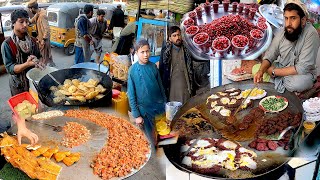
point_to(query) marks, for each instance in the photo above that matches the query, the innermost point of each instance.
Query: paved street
(61, 60)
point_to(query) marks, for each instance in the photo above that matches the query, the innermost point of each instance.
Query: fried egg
(225, 100)
(225, 112)
(231, 90)
(229, 145)
(213, 104)
(244, 150)
(222, 93)
(213, 96)
(217, 108)
(233, 101)
(248, 162)
(235, 93)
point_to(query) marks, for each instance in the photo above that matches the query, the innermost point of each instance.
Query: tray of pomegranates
(226, 31)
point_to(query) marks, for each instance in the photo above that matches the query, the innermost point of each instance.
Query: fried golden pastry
(59, 156)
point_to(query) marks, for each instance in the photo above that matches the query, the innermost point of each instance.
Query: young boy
(19, 54)
(145, 91)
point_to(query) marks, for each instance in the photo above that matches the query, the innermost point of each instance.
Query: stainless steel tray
(81, 169)
(273, 14)
(207, 18)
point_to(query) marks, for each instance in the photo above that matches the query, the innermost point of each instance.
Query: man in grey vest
(98, 27)
(83, 38)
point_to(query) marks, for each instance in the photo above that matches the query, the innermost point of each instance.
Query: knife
(191, 146)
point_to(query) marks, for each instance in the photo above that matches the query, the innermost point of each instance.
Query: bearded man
(176, 68)
(291, 58)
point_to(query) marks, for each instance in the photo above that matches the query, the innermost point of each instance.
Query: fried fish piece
(49, 153)
(49, 166)
(59, 156)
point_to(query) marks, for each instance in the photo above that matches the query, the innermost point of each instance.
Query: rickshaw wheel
(69, 50)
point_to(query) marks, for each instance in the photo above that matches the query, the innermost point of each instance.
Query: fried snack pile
(126, 149)
(78, 91)
(25, 109)
(75, 134)
(120, 71)
(66, 157)
(21, 158)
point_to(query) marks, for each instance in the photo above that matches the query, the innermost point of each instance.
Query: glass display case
(154, 31)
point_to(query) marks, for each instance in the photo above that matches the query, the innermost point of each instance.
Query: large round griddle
(275, 159)
(46, 95)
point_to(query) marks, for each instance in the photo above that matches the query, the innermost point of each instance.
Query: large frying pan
(276, 159)
(46, 95)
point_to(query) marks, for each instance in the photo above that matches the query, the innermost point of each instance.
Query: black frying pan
(279, 156)
(46, 95)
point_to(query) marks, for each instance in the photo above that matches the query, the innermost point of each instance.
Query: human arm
(159, 81)
(10, 62)
(84, 29)
(23, 131)
(307, 58)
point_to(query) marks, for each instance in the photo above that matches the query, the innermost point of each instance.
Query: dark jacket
(165, 68)
(117, 19)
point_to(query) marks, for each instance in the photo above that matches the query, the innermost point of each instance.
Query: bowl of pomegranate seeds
(262, 19)
(221, 45)
(257, 35)
(188, 22)
(199, 11)
(207, 7)
(262, 26)
(192, 30)
(240, 7)
(200, 41)
(215, 6)
(192, 15)
(226, 5)
(234, 6)
(239, 42)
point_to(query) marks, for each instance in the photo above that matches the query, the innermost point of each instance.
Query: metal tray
(273, 14)
(206, 18)
(81, 169)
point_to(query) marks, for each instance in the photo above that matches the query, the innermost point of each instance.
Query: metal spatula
(281, 134)
(55, 128)
(54, 79)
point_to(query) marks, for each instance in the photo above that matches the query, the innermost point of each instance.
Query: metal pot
(46, 95)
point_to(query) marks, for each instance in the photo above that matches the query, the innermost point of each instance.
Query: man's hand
(258, 77)
(139, 121)
(31, 61)
(23, 131)
(42, 42)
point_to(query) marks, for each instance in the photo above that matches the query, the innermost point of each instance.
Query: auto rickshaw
(61, 17)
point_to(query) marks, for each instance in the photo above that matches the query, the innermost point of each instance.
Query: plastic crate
(15, 100)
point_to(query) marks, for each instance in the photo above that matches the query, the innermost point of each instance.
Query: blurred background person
(98, 27)
(43, 32)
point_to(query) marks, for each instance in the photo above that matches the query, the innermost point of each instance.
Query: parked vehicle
(61, 17)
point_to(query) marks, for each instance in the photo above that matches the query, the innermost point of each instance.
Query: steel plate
(207, 18)
(273, 14)
(81, 169)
